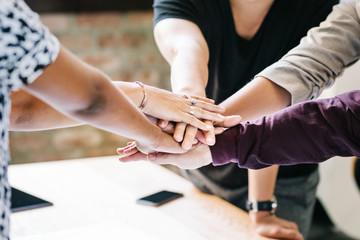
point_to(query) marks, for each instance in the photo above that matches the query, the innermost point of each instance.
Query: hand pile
(192, 121)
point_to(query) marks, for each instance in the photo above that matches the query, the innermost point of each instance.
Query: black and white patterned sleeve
(27, 46)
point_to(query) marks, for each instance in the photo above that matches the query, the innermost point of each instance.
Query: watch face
(265, 206)
(262, 206)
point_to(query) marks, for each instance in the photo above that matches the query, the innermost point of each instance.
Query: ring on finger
(193, 101)
(192, 110)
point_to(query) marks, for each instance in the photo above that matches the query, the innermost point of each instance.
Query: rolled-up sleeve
(321, 56)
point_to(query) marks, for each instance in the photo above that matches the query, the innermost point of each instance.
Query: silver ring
(192, 110)
(193, 101)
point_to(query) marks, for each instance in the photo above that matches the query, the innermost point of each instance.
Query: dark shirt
(234, 61)
(309, 132)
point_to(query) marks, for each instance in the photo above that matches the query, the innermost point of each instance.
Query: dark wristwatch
(256, 206)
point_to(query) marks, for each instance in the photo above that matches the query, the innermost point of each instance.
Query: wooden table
(95, 199)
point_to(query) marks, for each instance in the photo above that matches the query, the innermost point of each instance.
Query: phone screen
(159, 198)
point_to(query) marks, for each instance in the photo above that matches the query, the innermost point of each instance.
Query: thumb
(230, 121)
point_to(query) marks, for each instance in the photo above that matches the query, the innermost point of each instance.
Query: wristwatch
(256, 206)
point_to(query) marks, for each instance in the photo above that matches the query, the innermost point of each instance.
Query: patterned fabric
(26, 48)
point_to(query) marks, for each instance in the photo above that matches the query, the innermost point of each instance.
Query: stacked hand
(169, 106)
(198, 156)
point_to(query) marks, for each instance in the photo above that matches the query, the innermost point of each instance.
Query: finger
(179, 132)
(218, 130)
(163, 124)
(229, 121)
(209, 136)
(160, 158)
(131, 151)
(135, 157)
(203, 114)
(152, 119)
(280, 233)
(189, 137)
(200, 136)
(170, 128)
(129, 145)
(209, 107)
(205, 99)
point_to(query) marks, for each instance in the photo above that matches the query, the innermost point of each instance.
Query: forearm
(189, 72)
(309, 132)
(185, 49)
(29, 113)
(321, 56)
(85, 94)
(262, 183)
(258, 98)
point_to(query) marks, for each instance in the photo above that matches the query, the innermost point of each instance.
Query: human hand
(170, 106)
(195, 158)
(273, 227)
(159, 142)
(189, 135)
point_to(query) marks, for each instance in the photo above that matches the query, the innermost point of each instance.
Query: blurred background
(114, 36)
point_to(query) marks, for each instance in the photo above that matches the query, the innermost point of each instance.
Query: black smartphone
(21, 201)
(159, 198)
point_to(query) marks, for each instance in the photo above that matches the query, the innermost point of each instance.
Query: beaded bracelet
(143, 102)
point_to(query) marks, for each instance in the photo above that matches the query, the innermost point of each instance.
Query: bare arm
(30, 113)
(85, 94)
(258, 98)
(184, 47)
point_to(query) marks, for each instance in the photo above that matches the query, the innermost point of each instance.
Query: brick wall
(122, 45)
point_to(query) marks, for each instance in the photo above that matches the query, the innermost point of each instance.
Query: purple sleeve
(309, 132)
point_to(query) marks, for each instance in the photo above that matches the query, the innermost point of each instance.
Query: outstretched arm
(30, 113)
(184, 47)
(321, 56)
(83, 93)
(308, 132)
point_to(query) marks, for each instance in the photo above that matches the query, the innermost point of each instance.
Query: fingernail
(178, 138)
(210, 140)
(209, 126)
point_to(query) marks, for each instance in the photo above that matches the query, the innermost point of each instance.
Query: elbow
(95, 103)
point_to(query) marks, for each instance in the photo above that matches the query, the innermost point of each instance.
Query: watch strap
(256, 206)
